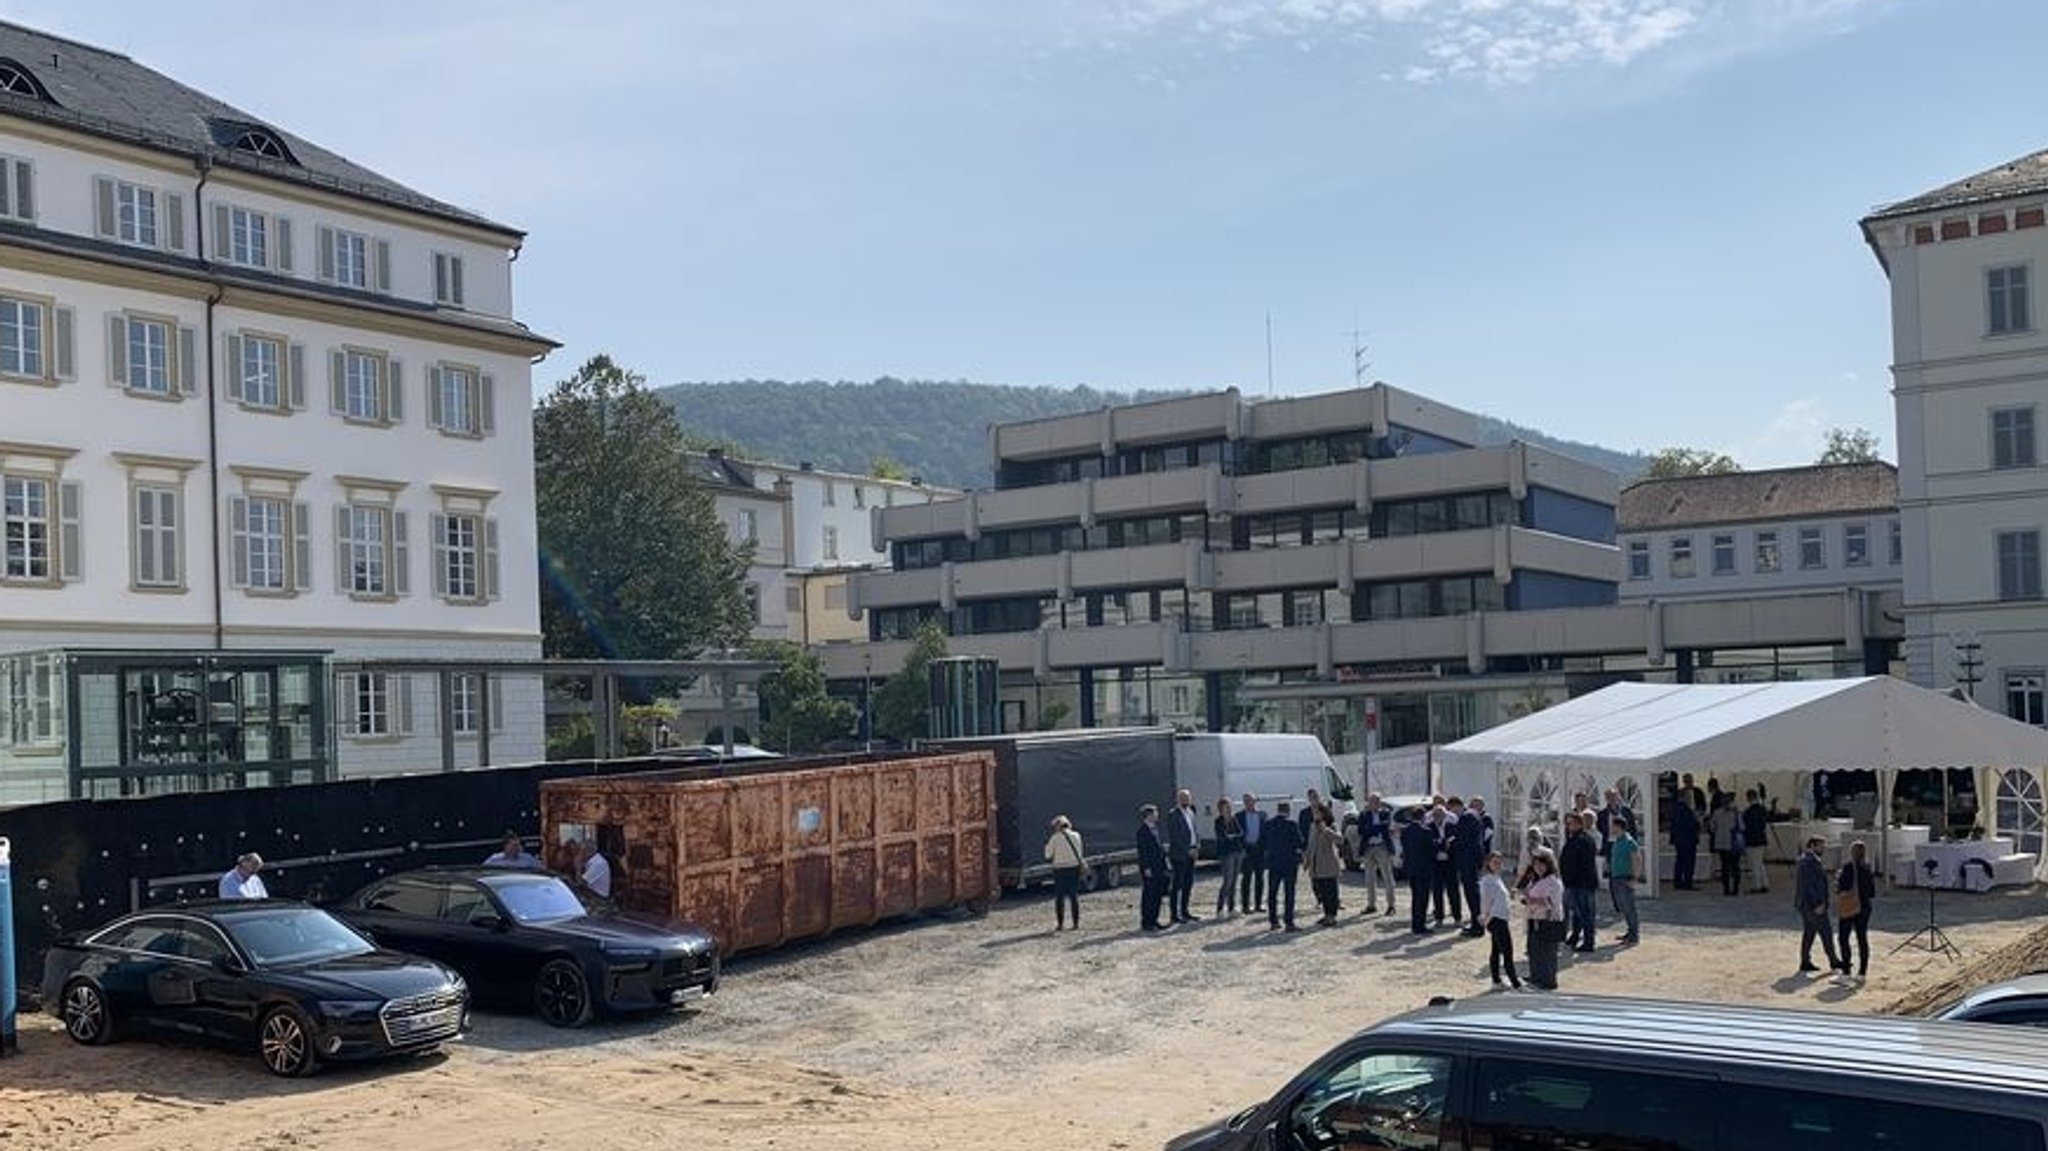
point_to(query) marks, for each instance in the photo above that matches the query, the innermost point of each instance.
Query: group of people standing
(1261, 858)
(1735, 833)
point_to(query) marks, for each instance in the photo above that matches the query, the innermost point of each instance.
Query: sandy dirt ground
(948, 1032)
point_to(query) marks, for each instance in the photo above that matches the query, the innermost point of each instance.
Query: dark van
(1562, 1073)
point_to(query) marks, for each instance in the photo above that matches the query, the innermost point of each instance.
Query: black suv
(523, 937)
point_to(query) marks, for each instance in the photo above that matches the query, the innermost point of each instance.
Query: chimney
(917, 481)
(715, 453)
(803, 465)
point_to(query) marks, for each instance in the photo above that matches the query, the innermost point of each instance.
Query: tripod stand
(1930, 938)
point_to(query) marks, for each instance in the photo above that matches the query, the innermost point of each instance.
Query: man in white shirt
(592, 870)
(241, 880)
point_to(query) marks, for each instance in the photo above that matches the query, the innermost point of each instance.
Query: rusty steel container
(764, 854)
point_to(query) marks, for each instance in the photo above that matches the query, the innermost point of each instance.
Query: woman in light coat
(1063, 851)
(1325, 862)
(1545, 899)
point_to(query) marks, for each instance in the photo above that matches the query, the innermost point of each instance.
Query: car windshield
(287, 936)
(537, 900)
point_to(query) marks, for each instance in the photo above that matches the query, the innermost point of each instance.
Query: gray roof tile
(1744, 497)
(107, 94)
(2026, 176)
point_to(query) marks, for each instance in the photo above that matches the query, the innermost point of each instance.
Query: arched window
(1588, 785)
(1543, 806)
(258, 142)
(1511, 823)
(1632, 798)
(2020, 813)
(20, 81)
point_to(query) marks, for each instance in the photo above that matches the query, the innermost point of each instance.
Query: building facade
(253, 399)
(1970, 380)
(1761, 533)
(1116, 543)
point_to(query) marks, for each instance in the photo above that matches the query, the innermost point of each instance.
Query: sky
(1630, 222)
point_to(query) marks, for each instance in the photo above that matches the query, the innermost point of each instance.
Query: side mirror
(228, 965)
(490, 922)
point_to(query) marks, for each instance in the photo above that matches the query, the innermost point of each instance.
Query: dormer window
(250, 140)
(20, 81)
(257, 142)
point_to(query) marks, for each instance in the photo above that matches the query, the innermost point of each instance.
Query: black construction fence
(81, 862)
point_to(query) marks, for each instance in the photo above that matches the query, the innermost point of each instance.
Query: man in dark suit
(1252, 872)
(1468, 855)
(1151, 868)
(1284, 844)
(1418, 863)
(1183, 844)
(1444, 822)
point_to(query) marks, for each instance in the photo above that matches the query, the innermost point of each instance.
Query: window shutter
(440, 278)
(302, 547)
(234, 367)
(7, 170)
(400, 687)
(141, 549)
(337, 389)
(295, 378)
(380, 265)
(24, 191)
(401, 556)
(342, 583)
(65, 362)
(117, 351)
(223, 234)
(103, 207)
(433, 396)
(174, 215)
(437, 537)
(323, 236)
(70, 531)
(281, 229)
(497, 703)
(455, 280)
(486, 405)
(238, 541)
(188, 362)
(489, 576)
(394, 407)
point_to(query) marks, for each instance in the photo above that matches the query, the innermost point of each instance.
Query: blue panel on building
(1531, 591)
(1556, 512)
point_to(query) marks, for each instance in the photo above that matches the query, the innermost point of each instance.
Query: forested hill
(938, 431)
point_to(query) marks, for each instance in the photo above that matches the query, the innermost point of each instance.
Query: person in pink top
(1545, 899)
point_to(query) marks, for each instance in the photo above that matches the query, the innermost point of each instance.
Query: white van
(1272, 767)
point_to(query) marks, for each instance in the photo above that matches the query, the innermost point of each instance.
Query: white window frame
(462, 550)
(248, 237)
(370, 706)
(465, 694)
(363, 387)
(2008, 305)
(1721, 545)
(136, 217)
(266, 544)
(149, 355)
(368, 550)
(27, 322)
(1856, 545)
(1813, 549)
(749, 526)
(2015, 445)
(1679, 558)
(1768, 553)
(2026, 695)
(830, 543)
(270, 537)
(32, 703)
(28, 529)
(156, 547)
(348, 258)
(461, 400)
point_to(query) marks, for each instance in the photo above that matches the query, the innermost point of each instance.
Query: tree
(1674, 462)
(634, 563)
(903, 704)
(1052, 714)
(1850, 446)
(797, 716)
(885, 467)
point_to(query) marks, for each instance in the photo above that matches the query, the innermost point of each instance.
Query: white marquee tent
(1625, 735)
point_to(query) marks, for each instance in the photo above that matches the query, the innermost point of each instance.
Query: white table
(1949, 859)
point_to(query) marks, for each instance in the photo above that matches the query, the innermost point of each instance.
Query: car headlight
(628, 953)
(350, 1008)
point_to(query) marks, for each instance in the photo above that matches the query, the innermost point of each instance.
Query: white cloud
(1794, 434)
(1499, 42)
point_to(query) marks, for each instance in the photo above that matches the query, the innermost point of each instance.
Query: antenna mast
(1359, 364)
(1269, 355)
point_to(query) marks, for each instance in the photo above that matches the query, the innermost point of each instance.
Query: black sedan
(524, 937)
(287, 981)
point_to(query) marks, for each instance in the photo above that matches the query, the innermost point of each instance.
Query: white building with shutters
(249, 402)
(1970, 382)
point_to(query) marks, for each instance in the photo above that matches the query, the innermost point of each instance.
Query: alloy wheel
(286, 1047)
(85, 1014)
(562, 995)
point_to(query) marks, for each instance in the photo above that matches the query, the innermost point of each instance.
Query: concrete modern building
(1742, 534)
(260, 408)
(1970, 378)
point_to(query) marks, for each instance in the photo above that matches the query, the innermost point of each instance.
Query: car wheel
(562, 994)
(86, 1017)
(285, 1042)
